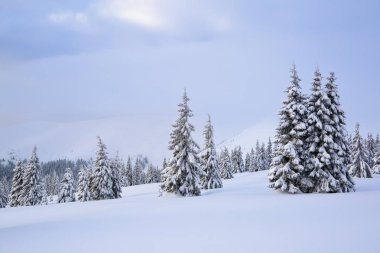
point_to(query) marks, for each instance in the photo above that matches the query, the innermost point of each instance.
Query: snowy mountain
(244, 216)
(129, 135)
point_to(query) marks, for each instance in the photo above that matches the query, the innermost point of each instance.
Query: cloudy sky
(64, 62)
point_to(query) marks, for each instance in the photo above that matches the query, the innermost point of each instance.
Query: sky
(63, 63)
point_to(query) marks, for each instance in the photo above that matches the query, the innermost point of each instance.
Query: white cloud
(165, 15)
(73, 18)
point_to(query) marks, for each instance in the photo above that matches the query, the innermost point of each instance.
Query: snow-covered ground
(244, 216)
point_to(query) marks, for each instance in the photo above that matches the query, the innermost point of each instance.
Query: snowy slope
(244, 216)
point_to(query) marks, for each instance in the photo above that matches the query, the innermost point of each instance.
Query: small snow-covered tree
(376, 166)
(151, 175)
(359, 166)
(31, 186)
(247, 162)
(288, 163)
(5, 189)
(182, 175)
(211, 178)
(225, 165)
(128, 176)
(370, 146)
(17, 182)
(66, 192)
(138, 177)
(268, 155)
(252, 165)
(101, 178)
(83, 191)
(116, 166)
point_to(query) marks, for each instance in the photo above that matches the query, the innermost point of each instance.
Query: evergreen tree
(83, 191)
(150, 175)
(138, 173)
(5, 189)
(16, 197)
(268, 155)
(320, 143)
(182, 176)
(116, 166)
(370, 146)
(340, 154)
(31, 185)
(239, 160)
(359, 166)
(234, 161)
(66, 193)
(376, 166)
(129, 172)
(288, 160)
(247, 163)
(211, 179)
(225, 165)
(101, 179)
(252, 165)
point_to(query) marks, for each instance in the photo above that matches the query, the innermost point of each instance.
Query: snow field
(244, 216)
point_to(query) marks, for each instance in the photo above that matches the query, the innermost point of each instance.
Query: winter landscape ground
(244, 216)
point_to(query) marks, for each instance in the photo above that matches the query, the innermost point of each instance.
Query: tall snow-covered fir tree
(17, 182)
(340, 154)
(321, 175)
(288, 161)
(83, 191)
(66, 192)
(101, 178)
(31, 186)
(239, 160)
(225, 165)
(182, 175)
(359, 166)
(252, 165)
(211, 178)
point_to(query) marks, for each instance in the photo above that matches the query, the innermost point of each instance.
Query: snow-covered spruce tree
(66, 192)
(252, 165)
(234, 160)
(116, 166)
(287, 163)
(225, 165)
(211, 178)
(150, 175)
(321, 176)
(340, 154)
(268, 155)
(239, 160)
(359, 166)
(31, 194)
(182, 175)
(101, 178)
(376, 166)
(137, 173)
(129, 173)
(83, 191)
(370, 146)
(247, 162)
(15, 196)
(5, 189)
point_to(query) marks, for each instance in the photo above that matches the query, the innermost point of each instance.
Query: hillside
(244, 216)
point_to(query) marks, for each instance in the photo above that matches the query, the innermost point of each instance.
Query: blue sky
(64, 61)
